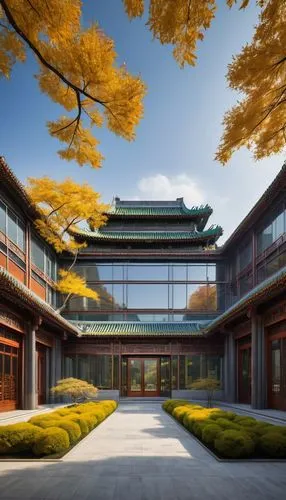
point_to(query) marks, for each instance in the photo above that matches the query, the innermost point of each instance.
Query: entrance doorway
(9, 368)
(277, 375)
(143, 378)
(244, 373)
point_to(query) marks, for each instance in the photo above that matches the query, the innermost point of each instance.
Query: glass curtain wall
(101, 371)
(168, 289)
(195, 366)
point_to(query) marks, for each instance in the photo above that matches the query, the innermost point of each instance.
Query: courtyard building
(173, 306)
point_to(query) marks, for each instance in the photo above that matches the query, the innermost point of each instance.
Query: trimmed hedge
(16, 438)
(228, 434)
(234, 444)
(52, 440)
(55, 432)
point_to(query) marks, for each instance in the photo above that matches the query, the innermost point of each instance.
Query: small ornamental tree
(209, 385)
(74, 388)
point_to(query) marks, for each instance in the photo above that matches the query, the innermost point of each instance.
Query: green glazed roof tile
(130, 328)
(212, 233)
(176, 211)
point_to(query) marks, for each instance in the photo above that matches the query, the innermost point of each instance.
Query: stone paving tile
(140, 453)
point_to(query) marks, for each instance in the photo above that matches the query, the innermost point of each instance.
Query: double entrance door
(143, 378)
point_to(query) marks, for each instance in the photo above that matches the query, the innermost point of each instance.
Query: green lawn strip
(229, 435)
(52, 435)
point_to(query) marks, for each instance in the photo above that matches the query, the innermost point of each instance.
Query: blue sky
(173, 153)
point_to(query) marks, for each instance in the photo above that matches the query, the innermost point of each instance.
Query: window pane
(147, 272)
(12, 226)
(211, 273)
(101, 272)
(245, 283)
(117, 293)
(245, 256)
(279, 226)
(116, 372)
(101, 371)
(21, 236)
(117, 272)
(148, 296)
(174, 372)
(197, 272)
(202, 297)
(38, 256)
(2, 217)
(264, 239)
(179, 272)
(179, 296)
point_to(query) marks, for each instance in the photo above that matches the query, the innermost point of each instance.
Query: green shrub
(176, 402)
(224, 423)
(99, 414)
(196, 416)
(43, 417)
(90, 420)
(180, 411)
(79, 419)
(52, 440)
(261, 428)
(273, 444)
(229, 415)
(72, 429)
(109, 403)
(232, 443)
(16, 438)
(63, 412)
(49, 422)
(245, 421)
(198, 427)
(210, 432)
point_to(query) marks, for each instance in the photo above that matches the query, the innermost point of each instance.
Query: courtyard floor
(139, 452)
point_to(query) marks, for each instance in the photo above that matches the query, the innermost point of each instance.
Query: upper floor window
(12, 226)
(271, 232)
(245, 256)
(43, 259)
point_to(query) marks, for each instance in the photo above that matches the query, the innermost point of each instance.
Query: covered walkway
(140, 453)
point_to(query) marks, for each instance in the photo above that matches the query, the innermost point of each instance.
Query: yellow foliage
(77, 69)
(72, 284)
(134, 8)
(259, 71)
(64, 205)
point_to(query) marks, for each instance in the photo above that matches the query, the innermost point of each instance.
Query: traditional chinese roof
(210, 235)
(12, 288)
(259, 294)
(17, 189)
(160, 209)
(138, 329)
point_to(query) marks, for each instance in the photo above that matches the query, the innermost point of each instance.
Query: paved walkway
(13, 417)
(140, 453)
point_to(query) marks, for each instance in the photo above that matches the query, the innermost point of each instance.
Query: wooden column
(230, 368)
(258, 365)
(30, 361)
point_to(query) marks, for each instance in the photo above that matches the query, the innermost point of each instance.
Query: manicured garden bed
(228, 434)
(53, 434)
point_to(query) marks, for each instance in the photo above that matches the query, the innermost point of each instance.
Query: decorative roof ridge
(277, 279)
(101, 233)
(29, 294)
(255, 212)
